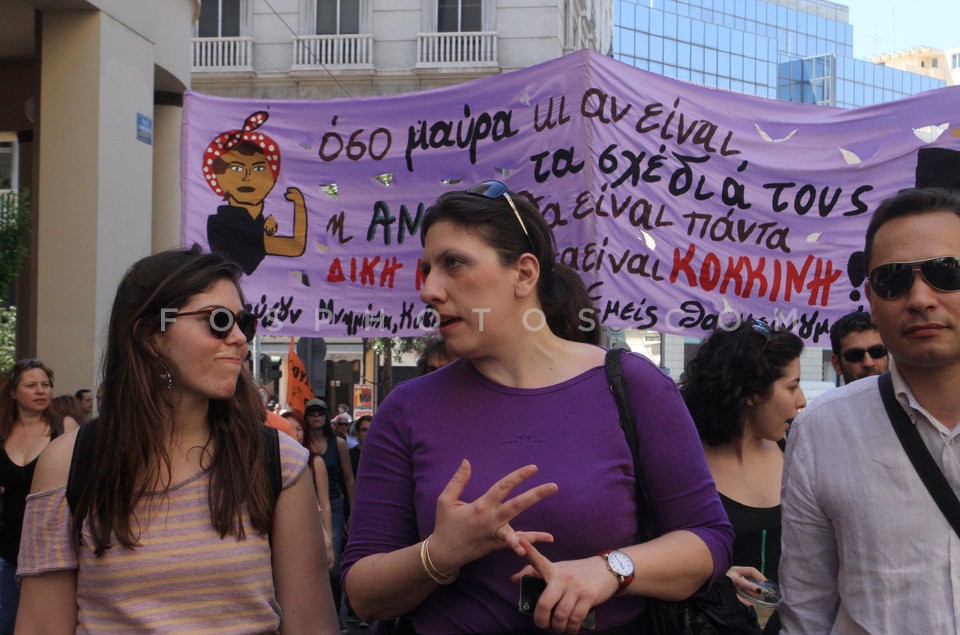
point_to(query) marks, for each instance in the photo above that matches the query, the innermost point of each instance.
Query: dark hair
(730, 367)
(80, 393)
(9, 411)
(909, 203)
(361, 419)
(326, 431)
(856, 322)
(134, 427)
(246, 148)
(67, 406)
(560, 290)
(432, 345)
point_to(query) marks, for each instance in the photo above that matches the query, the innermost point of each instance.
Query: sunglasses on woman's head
(895, 278)
(494, 190)
(221, 320)
(854, 355)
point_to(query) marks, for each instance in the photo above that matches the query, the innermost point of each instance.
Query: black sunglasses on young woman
(220, 319)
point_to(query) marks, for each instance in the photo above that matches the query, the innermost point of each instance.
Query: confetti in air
(386, 178)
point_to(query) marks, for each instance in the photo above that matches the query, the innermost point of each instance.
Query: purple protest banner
(679, 205)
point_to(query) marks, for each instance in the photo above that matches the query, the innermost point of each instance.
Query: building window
(219, 18)
(338, 17)
(935, 62)
(7, 165)
(955, 60)
(458, 15)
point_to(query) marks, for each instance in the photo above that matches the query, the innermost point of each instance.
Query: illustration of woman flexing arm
(242, 166)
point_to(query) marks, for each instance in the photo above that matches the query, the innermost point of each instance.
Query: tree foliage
(8, 338)
(14, 225)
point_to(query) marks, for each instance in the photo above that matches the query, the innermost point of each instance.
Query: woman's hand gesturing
(466, 531)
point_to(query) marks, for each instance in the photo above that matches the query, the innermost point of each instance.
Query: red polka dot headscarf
(227, 141)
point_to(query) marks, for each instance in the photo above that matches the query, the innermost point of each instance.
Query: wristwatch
(620, 565)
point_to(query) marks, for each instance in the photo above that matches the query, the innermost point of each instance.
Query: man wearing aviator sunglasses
(858, 351)
(852, 500)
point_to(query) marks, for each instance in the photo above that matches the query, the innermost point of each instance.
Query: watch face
(620, 563)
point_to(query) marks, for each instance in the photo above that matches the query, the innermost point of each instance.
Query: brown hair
(67, 406)
(562, 294)
(9, 411)
(134, 427)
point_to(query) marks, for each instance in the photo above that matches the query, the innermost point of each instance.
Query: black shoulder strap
(80, 462)
(614, 368)
(916, 449)
(83, 457)
(274, 469)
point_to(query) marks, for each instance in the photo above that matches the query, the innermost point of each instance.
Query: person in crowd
(68, 406)
(865, 547)
(742, 388)
(480, 460)
(319, 472)
(85, 397)
(28, 423)
(180, 525)
(362, 425)
(320, 438)
(296, 424)
(278, 422)
(434, 355)
(858, 351)
(341, 426)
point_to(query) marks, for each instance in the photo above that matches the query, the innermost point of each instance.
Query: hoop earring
(167, 378)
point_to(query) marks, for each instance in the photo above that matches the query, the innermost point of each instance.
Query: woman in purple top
(511, 460)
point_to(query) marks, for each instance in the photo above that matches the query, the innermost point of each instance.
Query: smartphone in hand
(530, 589)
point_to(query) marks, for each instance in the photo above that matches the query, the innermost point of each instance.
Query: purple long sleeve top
(571, 431)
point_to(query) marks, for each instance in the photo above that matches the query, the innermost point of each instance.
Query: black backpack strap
(80, 462)
(274, 469)
(916, 449)
(613, 366)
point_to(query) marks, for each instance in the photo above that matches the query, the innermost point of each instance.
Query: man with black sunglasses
(865, 548)
(858, 351)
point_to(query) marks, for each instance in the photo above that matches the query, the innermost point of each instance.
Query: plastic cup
(765, 602)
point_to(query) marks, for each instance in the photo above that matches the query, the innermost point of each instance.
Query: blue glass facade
(771, 49)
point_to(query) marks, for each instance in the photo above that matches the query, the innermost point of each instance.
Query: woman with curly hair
(742, 388)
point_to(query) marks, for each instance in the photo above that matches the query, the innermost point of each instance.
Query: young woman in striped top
(181, 530)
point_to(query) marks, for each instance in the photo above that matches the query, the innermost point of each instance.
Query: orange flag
(298, 384)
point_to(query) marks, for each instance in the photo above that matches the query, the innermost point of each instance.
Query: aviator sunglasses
(895, 278)
(494, 190)
(221, 320)
(854, 355)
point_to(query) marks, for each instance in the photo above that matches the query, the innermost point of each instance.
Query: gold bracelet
(435, 574)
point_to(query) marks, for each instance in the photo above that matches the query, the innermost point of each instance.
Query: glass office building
(795, 50)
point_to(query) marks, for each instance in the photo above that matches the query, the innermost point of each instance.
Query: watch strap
(625, 580)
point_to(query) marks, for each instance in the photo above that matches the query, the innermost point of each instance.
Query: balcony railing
(466, 48)
(213, 54)
(314, 51)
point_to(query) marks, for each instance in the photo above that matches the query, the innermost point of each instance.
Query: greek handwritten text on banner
(677, 204)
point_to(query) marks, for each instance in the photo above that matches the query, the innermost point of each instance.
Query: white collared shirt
(865, 548)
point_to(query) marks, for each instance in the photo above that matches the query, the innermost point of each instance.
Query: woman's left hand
(574, 587)
(744, 579)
